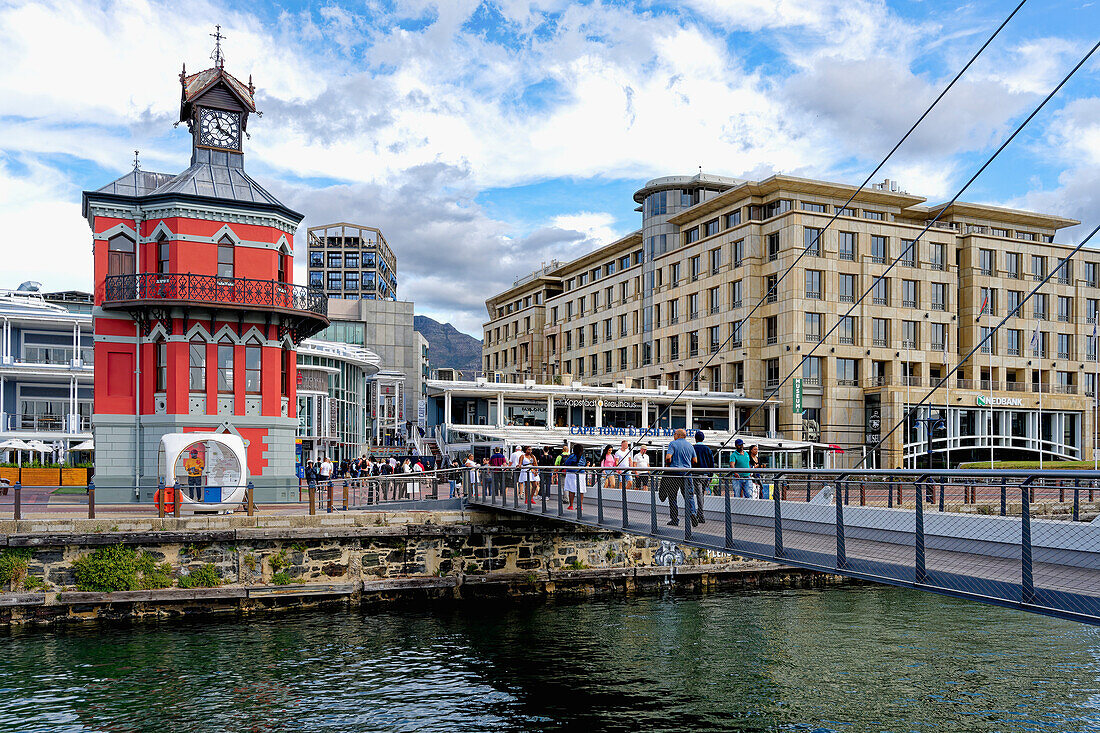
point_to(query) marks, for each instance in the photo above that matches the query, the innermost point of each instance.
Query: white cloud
(595, 226)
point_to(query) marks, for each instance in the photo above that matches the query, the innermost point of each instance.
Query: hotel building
(662, 306)
(351, 261)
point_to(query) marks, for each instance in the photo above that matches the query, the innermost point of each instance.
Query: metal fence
(1016, 539)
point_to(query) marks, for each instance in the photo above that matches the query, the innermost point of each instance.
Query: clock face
(219, 128)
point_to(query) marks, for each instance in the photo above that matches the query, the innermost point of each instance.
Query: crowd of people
(533, 470)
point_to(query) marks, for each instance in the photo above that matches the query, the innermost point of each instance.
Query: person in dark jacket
(704, 457)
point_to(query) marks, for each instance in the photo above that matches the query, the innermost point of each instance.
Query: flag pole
(947, 412)
(1039, 347)
(992, 419)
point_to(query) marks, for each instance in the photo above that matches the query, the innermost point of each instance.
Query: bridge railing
(1015, 538)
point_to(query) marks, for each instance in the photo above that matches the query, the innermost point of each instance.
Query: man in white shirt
(641, 460)
(624, 459)
(514, 461)
(326, 468)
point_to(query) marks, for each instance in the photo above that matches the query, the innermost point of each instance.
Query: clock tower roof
(204, 83)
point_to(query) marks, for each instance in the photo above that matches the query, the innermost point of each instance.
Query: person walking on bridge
(704, 458)
(680, 454)
(742, 483)
(497, 462)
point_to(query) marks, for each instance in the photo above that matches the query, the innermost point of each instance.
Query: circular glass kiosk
(211, 468)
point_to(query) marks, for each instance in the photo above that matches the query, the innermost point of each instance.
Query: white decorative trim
(227, 330)
(200, 330)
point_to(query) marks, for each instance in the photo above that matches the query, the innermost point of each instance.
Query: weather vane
(137, 162)
(219, 60)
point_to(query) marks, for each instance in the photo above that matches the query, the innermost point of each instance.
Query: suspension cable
(814, 243)
(942, 211)
(943, 380)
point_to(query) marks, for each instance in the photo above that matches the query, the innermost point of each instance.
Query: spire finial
(137, 160)
(219, 60)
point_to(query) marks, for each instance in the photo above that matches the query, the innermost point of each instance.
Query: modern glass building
(352, 261)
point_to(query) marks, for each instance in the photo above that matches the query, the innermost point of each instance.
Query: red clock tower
(196, 316)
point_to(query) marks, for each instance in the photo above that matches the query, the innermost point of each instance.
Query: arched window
(162, 255)
(225, 365)
(160, 359)
(120, 255)
(253, 366)
(283, 256)
(225, 257)
(197, 365)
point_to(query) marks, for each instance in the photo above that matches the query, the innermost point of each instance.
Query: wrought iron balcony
(307, 307)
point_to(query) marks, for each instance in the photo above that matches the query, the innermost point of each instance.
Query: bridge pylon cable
(809, 247)
(929, 225)
(943, 380)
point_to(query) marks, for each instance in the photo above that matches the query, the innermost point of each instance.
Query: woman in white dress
(575, 483)
(528, 474)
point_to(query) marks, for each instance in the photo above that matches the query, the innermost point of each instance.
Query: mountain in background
(449, 348)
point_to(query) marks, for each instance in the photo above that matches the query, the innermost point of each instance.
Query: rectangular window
(710, 228)
(880, 292)
(735, 294)
(811, 241)
(284, 374)
(846, 242)
(225, 260)
(938, 337)
(875, 215)
(816, 208)
(1065, 346)
(693, 267)
(909, 253)
(225, 368)
(847, 288)
(771, 288)
(985, 261)
(738, 248)
(1091, 274)
(813, 284)
(715, 260)
(771, 330)
(879, 250)
(846, 212)
(771, 373)
(1040, 310)
(351, 281)
(693, 305)
(196, 368)
(162, 256)
(335, 259)
(847, 372)
(692, 235)
(1065, 309)
(334, 281)
(733, 218)
(1038, 267)
(1012, 264)
(351, 260)
(813, 327)
(939, 296)
(160, 350)
(909, 293)
(938, 255)
(773, 247)
(712, 301)
(1065, 271)
(990, 346)
(253, 359)
(880, 332)
(316, 259)
(909, 335)
(812, 371)
(1014, 297)
(847, 330)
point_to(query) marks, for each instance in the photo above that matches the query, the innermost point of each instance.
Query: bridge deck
(1066, 582)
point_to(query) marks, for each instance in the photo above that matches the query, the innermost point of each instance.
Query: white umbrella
(14, 444)
(86, 445)
(39, 447)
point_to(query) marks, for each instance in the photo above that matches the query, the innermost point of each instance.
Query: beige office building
(661, 306)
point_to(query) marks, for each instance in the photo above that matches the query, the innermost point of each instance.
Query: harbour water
(838, 659)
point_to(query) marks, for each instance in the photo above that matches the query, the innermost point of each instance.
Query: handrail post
(18, 513)
(921, 573)
(177, 500)
(841, 553)
(688, 492)
(160, 499)
(729, 513)
(1004, 497)
(943, 485)
(515, 489)
(622, 490)
(651, 483)
(251, 504)
(890, 494)
(91, 500)
(549, 485)
(561, 493)
(582, 480)
(1027, 580)
(329, 487)
(1076, 499)
(313, 499)
(777, 517)
(346, 495)
(599, 499)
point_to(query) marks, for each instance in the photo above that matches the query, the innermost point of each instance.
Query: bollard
(91, 500)
(249, 497)
(18, 500)
(329, 487)
(345, 496)
(160, 499)
(313, 499)
(176, 500)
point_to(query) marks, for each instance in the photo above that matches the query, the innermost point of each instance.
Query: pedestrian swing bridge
(988, 536)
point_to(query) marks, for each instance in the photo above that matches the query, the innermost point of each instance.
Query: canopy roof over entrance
(485, 389)
(541, 436)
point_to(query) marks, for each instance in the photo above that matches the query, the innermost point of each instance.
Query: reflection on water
(836, 659)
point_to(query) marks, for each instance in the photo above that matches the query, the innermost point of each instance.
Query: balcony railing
(230, 291)
(55, 355)
(47, 423)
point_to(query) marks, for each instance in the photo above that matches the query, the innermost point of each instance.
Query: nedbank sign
(983, 401)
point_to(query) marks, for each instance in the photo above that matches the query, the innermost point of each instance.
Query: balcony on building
(305, 308)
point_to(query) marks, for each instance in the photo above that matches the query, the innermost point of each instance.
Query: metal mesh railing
(1018, 539)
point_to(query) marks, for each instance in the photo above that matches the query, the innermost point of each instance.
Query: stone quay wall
(273, 563)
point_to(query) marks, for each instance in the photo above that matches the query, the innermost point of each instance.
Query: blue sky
(487, 138)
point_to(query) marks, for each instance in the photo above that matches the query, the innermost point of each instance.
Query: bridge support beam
(921, 574)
